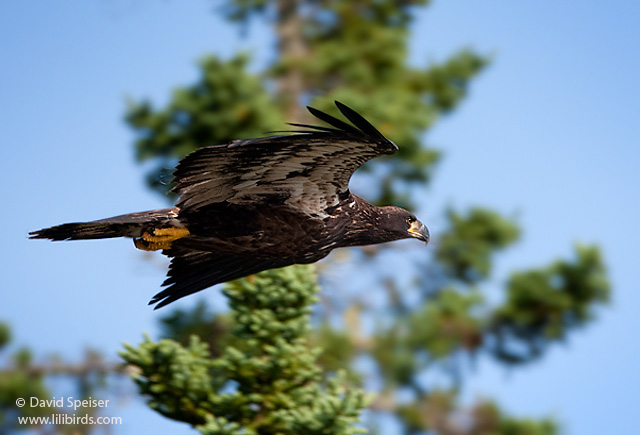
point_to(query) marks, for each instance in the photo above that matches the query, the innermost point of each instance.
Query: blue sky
(549, 134)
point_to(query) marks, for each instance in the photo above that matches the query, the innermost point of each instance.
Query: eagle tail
(128, 225)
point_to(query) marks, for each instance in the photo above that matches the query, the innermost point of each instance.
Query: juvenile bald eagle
(258, 204)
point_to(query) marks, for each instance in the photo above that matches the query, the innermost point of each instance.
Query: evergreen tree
(266, 382)
(355, 52)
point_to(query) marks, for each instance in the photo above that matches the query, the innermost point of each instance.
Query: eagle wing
(192, 270)
(308, 170)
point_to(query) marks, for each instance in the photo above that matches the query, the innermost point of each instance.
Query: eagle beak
(419, 231)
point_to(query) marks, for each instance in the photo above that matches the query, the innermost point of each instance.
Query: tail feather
(128, 225)
(80, 231)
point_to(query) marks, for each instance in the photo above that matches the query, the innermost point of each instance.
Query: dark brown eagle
(258, 204)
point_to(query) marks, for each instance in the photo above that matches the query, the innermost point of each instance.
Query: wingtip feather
(358, 120)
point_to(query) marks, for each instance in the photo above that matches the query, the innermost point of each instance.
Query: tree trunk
(292, 49)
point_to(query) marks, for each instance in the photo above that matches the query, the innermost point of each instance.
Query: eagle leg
(165, 234)
(160, 239)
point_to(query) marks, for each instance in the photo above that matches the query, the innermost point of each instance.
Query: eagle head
(398, 223)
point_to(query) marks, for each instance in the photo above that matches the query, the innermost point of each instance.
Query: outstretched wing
(308, 170)
(192, 270)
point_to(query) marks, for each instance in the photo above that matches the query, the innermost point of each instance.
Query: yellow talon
(161, 238)
(151, 246)
(165, 235)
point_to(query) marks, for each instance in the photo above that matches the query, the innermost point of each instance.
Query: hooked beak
(419, 231)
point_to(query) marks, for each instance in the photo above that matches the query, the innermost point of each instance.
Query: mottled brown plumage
(258, 204)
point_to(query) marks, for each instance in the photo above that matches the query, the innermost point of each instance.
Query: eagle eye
(411, 219)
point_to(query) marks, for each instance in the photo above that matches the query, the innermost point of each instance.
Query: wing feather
(191, 271)
(308, 170)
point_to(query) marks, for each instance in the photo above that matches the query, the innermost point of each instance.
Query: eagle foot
(165, 235)
(151, 246)
(160, 239)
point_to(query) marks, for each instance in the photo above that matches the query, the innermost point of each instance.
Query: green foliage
(214, 329)
(447, 323)
(437, 329)
(466, 249)
(338, 350)
(18, 381)
(177, 379)
(489, 419)
(543, 305)
(381, 12)
(5, 335)
(268, 382)
(437, 413)
(512, 426)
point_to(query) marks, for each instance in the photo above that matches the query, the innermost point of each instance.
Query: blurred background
(518, 137)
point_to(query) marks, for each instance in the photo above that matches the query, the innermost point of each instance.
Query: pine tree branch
(81, 369)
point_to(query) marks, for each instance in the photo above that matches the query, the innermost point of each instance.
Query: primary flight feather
(258, 204)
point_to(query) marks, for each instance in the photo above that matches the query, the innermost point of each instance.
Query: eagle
(256, 204)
